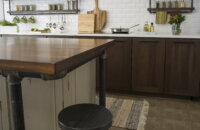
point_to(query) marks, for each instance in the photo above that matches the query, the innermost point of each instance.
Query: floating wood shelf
(43, 12)
(171, 10)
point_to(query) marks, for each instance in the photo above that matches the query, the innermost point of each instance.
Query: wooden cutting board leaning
(86, 23)
(100, 17)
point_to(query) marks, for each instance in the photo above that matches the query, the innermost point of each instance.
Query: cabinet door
(148, 65)
(119, 65)
(182, 67)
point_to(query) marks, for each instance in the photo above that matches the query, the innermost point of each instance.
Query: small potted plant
(7, 27)
(175, 21)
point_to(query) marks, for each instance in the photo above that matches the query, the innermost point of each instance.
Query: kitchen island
(47, 59)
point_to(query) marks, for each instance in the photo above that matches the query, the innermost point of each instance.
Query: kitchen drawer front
(182, 67)
(148, 60)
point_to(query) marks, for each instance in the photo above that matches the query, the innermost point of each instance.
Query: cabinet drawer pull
(120, 41)
(183, 42)
(144, 41)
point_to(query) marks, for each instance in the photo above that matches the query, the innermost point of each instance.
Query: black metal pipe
(192, 4)
(14, 83)
(102, 87)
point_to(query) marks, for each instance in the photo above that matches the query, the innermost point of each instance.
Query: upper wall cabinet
(182, 67)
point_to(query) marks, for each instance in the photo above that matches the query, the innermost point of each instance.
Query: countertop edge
(187, 36)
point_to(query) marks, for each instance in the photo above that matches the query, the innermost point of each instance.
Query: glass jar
(17, 7)
(176, 29)
(21, 8)
(26, 7)
(163, 4)
(170, 4)
(176, 4)
(182, 4)
(157, 4)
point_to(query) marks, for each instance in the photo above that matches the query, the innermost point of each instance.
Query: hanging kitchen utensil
(100, 17)
(123, 30)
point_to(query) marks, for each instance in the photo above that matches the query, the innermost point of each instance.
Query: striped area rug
(128, 113)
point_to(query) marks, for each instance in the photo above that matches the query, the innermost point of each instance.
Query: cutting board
(86, 23)
(100, 17)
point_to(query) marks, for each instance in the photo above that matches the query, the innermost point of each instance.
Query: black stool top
(85, 117)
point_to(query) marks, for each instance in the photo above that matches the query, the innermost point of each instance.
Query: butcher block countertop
(47, 55)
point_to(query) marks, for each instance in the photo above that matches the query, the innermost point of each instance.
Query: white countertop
(136, 34)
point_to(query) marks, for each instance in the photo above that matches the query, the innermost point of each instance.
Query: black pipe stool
(85, 117)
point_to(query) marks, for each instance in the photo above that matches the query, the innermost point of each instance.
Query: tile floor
(169, 113)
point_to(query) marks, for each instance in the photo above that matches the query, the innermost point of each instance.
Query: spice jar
(163, 4)
(50, 7)
(17, 7)
(60, 7)
(182, 4)
(157, 4)
(55, 7)
(21, 8)
(169, 4)
(31, 7)
(73, 4)
(69, 4)
(26, 8)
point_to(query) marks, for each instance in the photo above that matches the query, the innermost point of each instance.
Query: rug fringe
(143, 116)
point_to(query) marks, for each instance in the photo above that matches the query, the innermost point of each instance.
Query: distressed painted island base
(43, 100)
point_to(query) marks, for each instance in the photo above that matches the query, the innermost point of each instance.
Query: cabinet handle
(183, 42)
(148, 41)
(120, 41)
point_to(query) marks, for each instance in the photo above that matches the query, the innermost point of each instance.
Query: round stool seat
(85, 117)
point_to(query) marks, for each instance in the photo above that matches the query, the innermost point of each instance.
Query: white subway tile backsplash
(124, 13)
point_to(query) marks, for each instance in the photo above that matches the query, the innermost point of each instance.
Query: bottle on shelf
(163, 4)
(157, 4)
(182, 4)
(169, 4)
(176, 4)
(146, 27)
(152, 28)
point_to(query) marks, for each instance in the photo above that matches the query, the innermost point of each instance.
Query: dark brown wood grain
(47, 55)
(182, 67)
(119, 65)
(148, 65)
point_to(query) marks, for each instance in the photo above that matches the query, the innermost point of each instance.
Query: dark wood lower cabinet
(119, 65)
(148, 62)
(182, 67)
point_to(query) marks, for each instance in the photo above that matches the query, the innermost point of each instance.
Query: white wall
(1, 9)
(124, 13)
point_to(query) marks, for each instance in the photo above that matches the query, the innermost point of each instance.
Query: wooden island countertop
(47, 55)
(48, 59)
